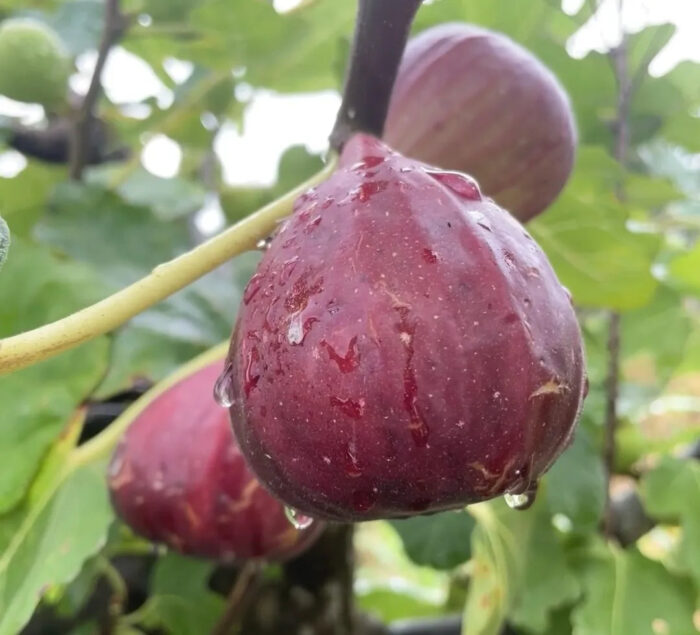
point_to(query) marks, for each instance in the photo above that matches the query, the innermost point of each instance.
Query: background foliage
(621, 238)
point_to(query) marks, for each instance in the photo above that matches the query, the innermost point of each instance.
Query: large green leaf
(23, 198)
(659, 331)
(159, 339)
(519, 570)
(37, 287)
(46, 541)
(587, 240)
(624, 592)
(442, 541)
(576, 484)
(671, 492)
(180, 600)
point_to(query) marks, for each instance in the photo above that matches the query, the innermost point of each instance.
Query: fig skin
(472, 100)
(403, 348)
(179, 478)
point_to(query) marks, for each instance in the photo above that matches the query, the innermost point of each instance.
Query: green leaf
(441, 541)
(23, 198)
(180, 601)
(586, 238)
(671, 491)
(624, 592)
(167, 198)
(4, 241)
(658, 331)
(170, 333)
(35, 288)
(46, 541)
(519, 570)
(685, 269)
(576, 484)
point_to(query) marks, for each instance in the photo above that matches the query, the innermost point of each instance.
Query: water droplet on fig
(462, 185)
(522, 500)
(297, 519)
(264, 244)
(223, 388)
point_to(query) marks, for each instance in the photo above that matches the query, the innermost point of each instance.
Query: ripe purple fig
(472, 100)
(403, 348)
(179, 478)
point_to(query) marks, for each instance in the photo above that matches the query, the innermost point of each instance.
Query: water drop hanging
(297, 519)
(223, 389)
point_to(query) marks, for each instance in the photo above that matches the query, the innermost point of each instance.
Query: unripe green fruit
(34, 64)
(220, 96)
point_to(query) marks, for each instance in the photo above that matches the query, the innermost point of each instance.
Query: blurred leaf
(168, 198)
(295, 166)
(4, 241)
(387, 581)
(685, 269)
(442, 541)
(35, 288)
(389, 606)
(79, 23)
(519, 570)
(168, 334)
(585, 236)
(23, 198)
(645, 45)
(659, 331)
(671, 492)
(626, 593)
(45, 542)
(576, 484)
(180, 599)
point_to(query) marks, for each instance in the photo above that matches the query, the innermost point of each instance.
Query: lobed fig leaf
(403, 348)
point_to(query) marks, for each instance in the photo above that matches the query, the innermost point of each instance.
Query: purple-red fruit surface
(179, 478)
(404, 347)
(473, 100)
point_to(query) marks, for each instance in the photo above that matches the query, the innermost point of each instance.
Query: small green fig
(34, 63)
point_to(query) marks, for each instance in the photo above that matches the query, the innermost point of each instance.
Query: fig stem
(36, 345)
(381, 33)
(236, 599)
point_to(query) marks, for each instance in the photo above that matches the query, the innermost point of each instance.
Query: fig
(34, 64)
(178, 478)
(472, 100)
(404, 347)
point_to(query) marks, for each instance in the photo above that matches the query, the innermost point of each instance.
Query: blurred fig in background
(472, 100)
(179, 478)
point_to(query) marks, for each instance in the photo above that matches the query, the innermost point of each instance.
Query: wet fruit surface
(179, 478)
(404, 347)
(470, 99)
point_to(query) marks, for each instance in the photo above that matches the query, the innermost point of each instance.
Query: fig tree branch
(619, 59)
(46, 341)
(381, 32)
(114, 26)
(237, 599)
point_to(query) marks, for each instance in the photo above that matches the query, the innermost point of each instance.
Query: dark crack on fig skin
(179, 478)
(442, 364)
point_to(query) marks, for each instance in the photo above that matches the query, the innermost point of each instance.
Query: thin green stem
(44, 342)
